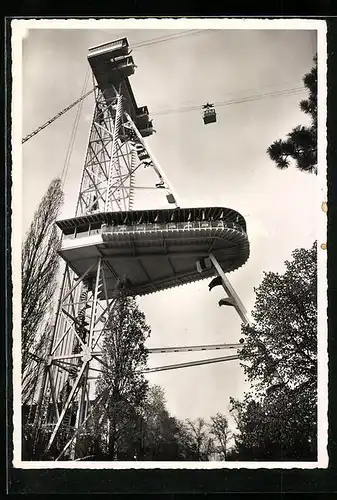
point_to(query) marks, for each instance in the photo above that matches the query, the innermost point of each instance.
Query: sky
(223, 164)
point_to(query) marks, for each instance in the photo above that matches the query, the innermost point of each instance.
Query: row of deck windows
(93, 229)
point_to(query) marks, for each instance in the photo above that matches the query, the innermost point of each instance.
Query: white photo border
(19, 27)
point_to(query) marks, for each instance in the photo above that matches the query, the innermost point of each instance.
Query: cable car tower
(109, 249)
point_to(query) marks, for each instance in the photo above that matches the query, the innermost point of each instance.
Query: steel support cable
(170, 111)
(36, 131)
(74, 131)
(134, 46)
(73, 134)
(292, 91)
(166, 38)
(245, 92)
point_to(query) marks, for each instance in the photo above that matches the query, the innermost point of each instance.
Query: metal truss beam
(193, 348)
(190, 363)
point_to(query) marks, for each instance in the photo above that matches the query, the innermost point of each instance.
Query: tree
(251, 441)
(200, 441)
(124, 359)
(221, 433)
(301, 142)
(279, 357)
(164, 437)
(32, 375)
(40, 265)
(280, 426)
(153, 434)
(281, 344)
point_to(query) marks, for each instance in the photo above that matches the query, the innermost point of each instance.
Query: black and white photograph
(169, 243)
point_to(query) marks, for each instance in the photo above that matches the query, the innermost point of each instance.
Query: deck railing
(153, 227)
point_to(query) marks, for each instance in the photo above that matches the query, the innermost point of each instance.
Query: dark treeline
(151, 433)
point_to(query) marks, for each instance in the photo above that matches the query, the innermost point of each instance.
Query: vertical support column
(40, 407)
(66, 406)
(240, 308)
(113, 167)
(86, 358)
(94, 304)
(80, 416)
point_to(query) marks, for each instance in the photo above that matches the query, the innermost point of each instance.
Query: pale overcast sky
(223, 164)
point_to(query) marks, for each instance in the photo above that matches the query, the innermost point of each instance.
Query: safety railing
(115, 45)
(154, 227)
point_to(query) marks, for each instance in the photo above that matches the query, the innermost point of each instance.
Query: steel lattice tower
(107, 247)
(115, 151)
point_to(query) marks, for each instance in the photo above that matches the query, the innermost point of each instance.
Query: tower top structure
(112, 65)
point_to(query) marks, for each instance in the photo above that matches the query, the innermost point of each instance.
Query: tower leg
(76, 353)
(240, 308)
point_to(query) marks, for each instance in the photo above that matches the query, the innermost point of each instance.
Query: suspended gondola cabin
(209, 114)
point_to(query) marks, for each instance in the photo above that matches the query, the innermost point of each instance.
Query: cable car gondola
(209, 114)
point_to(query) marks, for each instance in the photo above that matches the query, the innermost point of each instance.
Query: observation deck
(152, 250)
(112, 64)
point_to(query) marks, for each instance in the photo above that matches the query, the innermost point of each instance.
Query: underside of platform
(150, 256)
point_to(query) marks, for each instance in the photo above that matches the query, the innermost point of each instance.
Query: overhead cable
(292, 91)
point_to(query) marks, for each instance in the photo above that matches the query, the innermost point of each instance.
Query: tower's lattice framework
(116, 150)
(106, 242)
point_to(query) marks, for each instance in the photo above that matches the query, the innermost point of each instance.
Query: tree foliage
(40, 264)
(164, 437)
(151, 433)
(32, 375)
(301, 142)
(279, 426)
(200, 443)
(124, 359)
(279, 357)
(281, 344)
(221, 433)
